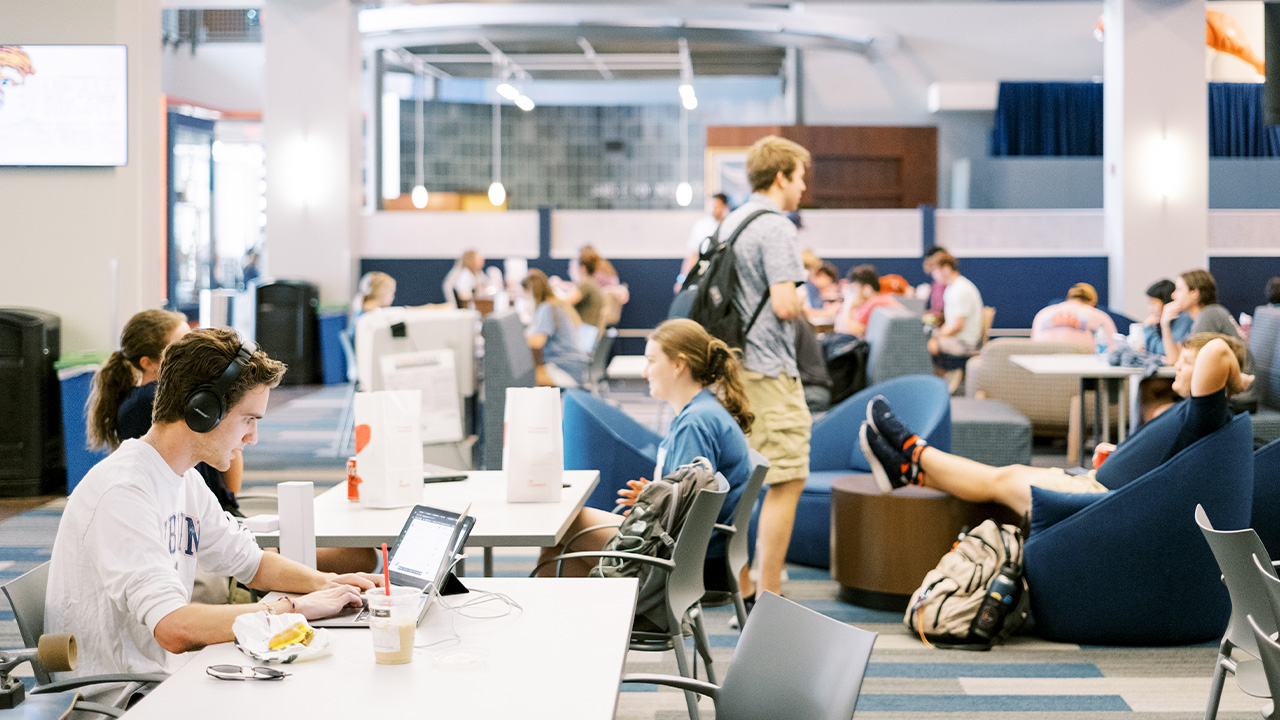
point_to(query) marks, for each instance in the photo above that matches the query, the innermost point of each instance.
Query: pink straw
(386, 571)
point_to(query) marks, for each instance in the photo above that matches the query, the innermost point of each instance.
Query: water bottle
(1100, 340)
(1002, 593)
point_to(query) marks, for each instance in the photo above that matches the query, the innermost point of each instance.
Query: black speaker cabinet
(288, 328)
(31, 457)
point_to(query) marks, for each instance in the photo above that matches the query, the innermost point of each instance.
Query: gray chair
(598, 369)
(1234, 550)
(896, 340)
(508, 362)
(1044, 400)
(791, 662)
(684, 586)
(738, 552)
(1269, 656)
(26, 596)
(1264, 352)
(990, 432)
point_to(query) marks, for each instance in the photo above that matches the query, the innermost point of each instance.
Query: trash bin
(333, 362)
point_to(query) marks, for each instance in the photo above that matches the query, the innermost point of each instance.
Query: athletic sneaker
(889, 467)
(894, 432)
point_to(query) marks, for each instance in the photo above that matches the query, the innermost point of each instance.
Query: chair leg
(682, 662)
(1219, 678)
(702, 642)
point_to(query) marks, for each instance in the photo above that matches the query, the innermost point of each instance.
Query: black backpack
(715, 278)
(651, 529)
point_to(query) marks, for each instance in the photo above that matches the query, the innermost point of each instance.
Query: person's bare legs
(972, 481)
(595, 540)
(777, 518)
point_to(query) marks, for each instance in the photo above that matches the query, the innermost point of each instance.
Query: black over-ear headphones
(207, 404)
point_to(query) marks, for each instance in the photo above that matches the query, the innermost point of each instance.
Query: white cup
(394, 621)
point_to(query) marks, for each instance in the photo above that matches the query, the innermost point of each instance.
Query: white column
(1156, 147)
(312, 124)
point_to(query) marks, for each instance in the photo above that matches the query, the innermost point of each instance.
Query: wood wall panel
(856, 167)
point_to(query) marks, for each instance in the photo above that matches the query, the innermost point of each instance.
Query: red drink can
(353, 480)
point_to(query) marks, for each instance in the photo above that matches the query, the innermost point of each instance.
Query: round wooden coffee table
(883, 544)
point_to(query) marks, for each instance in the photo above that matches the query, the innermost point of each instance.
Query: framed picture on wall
(727, 173)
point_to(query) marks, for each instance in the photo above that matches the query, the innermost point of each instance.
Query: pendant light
(419, 194)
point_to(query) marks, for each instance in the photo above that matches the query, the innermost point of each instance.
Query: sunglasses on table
(244, 672)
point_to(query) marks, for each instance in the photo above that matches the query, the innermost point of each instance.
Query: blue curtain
(1061, 118)
(1048, 118)
(1236, 128)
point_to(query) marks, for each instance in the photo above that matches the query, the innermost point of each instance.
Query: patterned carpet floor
(1025, 678)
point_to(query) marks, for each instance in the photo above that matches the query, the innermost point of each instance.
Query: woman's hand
(1169, 313)
(627, 495)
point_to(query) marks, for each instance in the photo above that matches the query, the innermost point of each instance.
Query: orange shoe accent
(911, 441)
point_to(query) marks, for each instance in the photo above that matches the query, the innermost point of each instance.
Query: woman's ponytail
(111, 385)
(711, 363)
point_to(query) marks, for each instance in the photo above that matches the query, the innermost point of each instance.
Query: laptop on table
(422, 559)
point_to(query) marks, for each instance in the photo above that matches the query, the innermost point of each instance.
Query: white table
(1096, 374)
(626, 367)
(561, 657)
(342, 523)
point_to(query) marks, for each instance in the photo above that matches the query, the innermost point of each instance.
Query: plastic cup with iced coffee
(394, 620)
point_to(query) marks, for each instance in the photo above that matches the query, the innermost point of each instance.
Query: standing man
(768, 259)
(718, 210)
(124, 560)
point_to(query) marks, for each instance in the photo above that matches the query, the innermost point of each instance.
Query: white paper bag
(533, 445)
(389, 448)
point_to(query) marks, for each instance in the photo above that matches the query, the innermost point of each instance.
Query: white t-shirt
(962, 299)
(126, 554)
(703, 229)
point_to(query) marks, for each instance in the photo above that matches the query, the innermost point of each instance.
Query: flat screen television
(63, 105)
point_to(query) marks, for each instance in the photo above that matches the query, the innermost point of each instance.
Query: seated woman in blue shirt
(555, 333)
(701, 378)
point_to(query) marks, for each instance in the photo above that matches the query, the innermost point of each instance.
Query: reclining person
(1208, 373)
(125, 556)
(701, 378)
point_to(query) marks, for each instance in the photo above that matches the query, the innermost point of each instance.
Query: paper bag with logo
(532, 445)
(389, 447)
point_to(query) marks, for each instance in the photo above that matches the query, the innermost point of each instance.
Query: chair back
(1265, 519)
(922, 402)
(1268, 653)
(1235, 550)
(988, 317)
(1264, 339)
(737, 552)
(508, 362)
(792, 662)
(897, 345)
(599, 365)
(26, 596)
(349, 354)
(684, 584)
(599, 436)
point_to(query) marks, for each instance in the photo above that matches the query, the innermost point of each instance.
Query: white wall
(62, 227)
(223, 76)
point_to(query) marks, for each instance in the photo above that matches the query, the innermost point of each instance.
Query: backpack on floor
(977, 595)
(651, 529)
(716, 278)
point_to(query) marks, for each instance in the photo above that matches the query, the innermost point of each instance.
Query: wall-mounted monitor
(64, 105)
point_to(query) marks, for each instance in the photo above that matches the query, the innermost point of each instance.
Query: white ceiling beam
(808, 22)
(590, 53)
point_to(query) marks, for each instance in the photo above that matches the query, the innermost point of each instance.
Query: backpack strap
(733, 238)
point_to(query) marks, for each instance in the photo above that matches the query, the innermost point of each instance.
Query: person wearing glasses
(125, 556)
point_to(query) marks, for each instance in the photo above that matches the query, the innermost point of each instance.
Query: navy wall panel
(1242, 281)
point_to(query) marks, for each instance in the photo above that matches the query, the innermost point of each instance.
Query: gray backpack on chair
(651, 529)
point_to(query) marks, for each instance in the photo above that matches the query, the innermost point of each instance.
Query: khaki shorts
(1060, 481)
(781, 429)
(952, 345)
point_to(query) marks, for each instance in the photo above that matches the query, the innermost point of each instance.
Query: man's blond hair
(771, 155)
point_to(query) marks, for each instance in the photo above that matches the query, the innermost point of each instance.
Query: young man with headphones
(125, 557)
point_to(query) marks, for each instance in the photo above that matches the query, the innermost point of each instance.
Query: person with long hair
(1196, 293)
(701, 378)
(124, 391)
(555, 332)
(376, 290)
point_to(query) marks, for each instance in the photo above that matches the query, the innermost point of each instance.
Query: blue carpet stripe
(638, 687)
(992, 703)
(981, 670)
(850, 613)
(28, 554)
